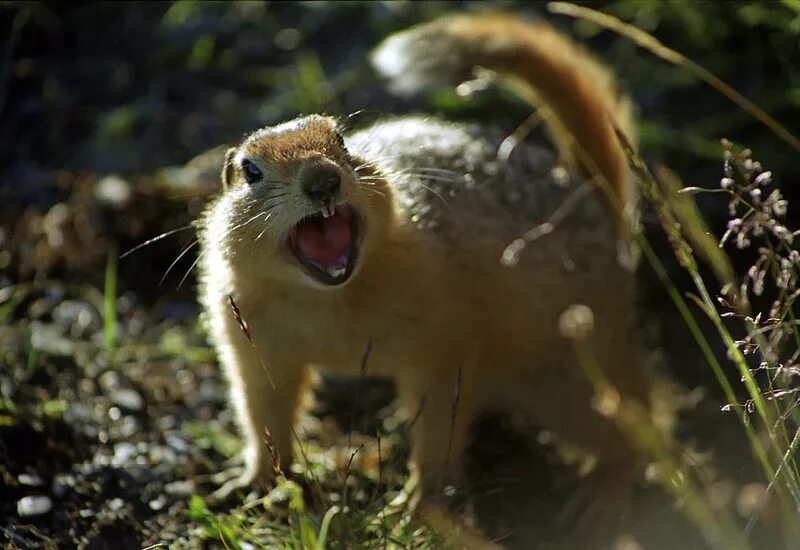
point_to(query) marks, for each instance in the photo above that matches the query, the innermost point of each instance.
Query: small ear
(227, 168)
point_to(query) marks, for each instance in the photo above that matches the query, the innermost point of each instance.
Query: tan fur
(442, 315)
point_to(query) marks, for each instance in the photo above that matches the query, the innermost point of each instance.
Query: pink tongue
(324, 241)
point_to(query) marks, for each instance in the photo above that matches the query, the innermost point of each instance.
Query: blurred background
(112, 116)
(93, 89)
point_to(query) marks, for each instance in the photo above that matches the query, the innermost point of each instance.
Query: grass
(110, 303)
(770, 423)
(289, 517)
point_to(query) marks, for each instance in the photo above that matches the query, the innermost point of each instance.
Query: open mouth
(326, 243)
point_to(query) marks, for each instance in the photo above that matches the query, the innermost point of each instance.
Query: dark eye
(251, 172)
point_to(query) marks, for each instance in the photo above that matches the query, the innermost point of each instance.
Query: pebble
(161, 454)
(113, 190)
(31, 480)
(158, 503)
(62, 483)
(168, 422)
(47, 338)
(180, 488)
(127, 398)
(75, 313)
(34, 505)
(177, 443)
(124, 453)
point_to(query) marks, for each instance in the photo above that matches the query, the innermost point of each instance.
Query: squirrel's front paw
(233, 479)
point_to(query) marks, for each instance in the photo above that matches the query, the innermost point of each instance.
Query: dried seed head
(576, 322)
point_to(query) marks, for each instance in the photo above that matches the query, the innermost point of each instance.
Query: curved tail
(580, 97)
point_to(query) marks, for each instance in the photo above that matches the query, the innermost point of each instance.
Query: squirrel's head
(296, 206)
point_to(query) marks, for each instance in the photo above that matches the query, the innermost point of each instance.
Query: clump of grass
(771, 339)
(765, 358)
(286, 518)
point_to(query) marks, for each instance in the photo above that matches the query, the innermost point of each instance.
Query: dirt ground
(111, 123)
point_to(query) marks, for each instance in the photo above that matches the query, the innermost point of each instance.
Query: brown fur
(581, 94)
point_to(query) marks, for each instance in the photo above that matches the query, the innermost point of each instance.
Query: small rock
(47, 338)
(158, 503)
(177, 443)
(113, 190)
(127, 398)
(209, 392)
(124, 453)
(62, 483)
(80, 316)
(31, 480)
(180, 488)
(115, 504)
(127, 428)
(109, 381)
(161, 454)
(34, 505)
(168, 422)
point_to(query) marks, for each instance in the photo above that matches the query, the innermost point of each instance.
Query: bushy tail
(579, 96)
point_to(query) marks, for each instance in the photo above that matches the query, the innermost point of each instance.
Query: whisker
(434, 170)
(273, 199)
(191, 267)
(437, 194)
(363, 166)
(355, 113)
(271, 207)
(265, 229)
(372, 181)
(271, 185)
(443, 179)
(376, 191)
(181, 255)
(236, 227)
(155, 239)
(418, 169)
(447, 176)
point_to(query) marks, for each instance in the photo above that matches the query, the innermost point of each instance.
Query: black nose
(321, 183)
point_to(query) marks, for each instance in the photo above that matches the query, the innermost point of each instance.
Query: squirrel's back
(576, 96)
(449, 184)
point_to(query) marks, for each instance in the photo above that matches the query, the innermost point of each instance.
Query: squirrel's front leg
(265, 394)
(441, 405)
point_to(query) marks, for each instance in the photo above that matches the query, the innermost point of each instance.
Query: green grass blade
(110, 303)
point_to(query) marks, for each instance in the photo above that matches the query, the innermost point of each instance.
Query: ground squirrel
(394, 239)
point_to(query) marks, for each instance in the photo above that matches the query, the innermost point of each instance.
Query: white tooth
(325, 212)
(335, 271)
